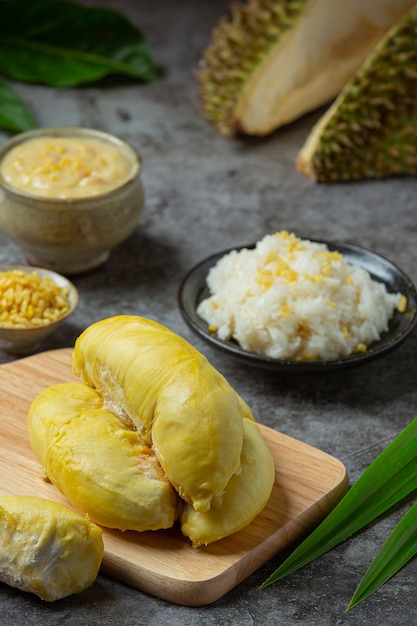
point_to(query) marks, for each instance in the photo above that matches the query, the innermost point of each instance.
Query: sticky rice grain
(295, 299)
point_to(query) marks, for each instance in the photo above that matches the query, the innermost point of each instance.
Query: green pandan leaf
(398, 549)
(14, 115)
(389, 479)
(62, 44)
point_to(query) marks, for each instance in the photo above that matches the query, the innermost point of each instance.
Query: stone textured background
(205, 194)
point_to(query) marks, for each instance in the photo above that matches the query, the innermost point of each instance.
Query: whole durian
(271, 61)
(370, 131)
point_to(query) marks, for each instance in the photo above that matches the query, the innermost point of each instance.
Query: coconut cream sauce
(65, 167)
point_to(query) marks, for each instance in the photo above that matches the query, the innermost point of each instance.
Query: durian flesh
(246, 494)
(46, 548)
(370, 131)
(98, 462)
(272, 61)
(209, 439)
(179, 403)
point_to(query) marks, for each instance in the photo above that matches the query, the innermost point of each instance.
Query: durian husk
(271, 61)
(370, 131)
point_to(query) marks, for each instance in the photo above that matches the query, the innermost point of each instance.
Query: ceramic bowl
(194, 289)
(26, 340)
(71, 235)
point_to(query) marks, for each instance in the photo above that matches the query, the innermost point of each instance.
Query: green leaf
(397, 550)
(391, 477)
(62, 44)
(14, 115)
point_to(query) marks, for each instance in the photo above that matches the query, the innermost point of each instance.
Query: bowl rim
(73, 294)
(70, 131)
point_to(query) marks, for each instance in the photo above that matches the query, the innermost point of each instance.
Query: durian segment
(246, 494)
(176, 399)
(46, 548)
(272, 61)
(370, 131)
(98, 462)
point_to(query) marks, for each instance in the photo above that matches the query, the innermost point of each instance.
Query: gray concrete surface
(205, 194)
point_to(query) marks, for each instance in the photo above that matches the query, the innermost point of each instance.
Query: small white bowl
(71, 235)
(26, 340)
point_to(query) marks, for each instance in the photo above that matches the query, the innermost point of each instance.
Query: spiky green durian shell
(240, 43)
(371, 129)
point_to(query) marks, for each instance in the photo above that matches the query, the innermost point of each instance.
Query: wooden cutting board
(308, 484)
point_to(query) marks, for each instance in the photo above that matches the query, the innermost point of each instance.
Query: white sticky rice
(294, 299)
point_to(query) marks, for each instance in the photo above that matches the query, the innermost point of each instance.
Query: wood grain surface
(308, 484)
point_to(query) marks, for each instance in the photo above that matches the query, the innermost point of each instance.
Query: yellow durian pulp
(46, 548)
(152, 433)
(178, 402)
(245, 495)
(99, 462)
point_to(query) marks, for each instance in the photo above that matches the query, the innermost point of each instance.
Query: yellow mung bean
(27, 299)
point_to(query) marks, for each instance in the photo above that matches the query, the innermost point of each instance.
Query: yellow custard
(65, 167)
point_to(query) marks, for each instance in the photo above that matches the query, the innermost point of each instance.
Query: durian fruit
(203, 451)
(272, 61)
(98, 462)
(179, 403)
(246, 494)
(46, 548)
(370, 131)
